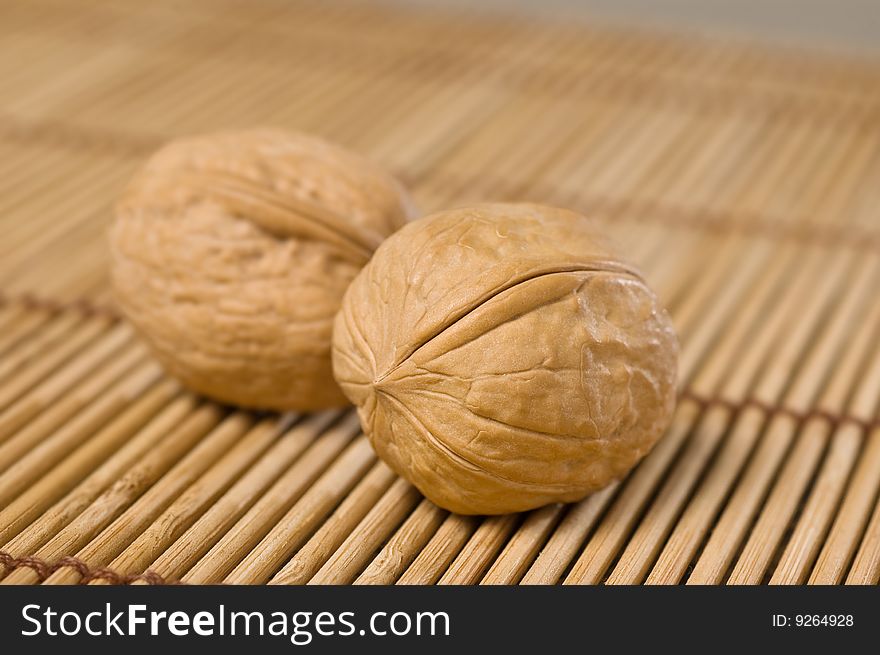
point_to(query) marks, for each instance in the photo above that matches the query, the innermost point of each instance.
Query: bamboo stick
(137, 516)
(45, 338)
(866, 564)
(731, 527)
(139, 478)
(365, 540)
(199, 496)
(309, 559)
(443, 547)
(844, 442)
(561, 547)
(78, 499)
(302, 519)
(519, 552)
(80, 466)
(222, 515)
(837, 552)
(236, 544)
(694, 523)
(14, 416)
(43, 444)
(476, 556)
(400, 551)
(27, 323)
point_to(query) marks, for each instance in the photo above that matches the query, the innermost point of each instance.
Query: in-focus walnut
(231, 253)
(502, 358)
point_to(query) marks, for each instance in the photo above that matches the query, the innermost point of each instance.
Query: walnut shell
(231, 253)
(502, 358)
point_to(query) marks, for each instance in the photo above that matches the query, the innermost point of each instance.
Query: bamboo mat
(744, 180)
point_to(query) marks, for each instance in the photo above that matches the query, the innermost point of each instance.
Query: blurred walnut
(231, 253)
(501, 358)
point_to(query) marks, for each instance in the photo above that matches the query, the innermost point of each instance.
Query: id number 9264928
(813, 621)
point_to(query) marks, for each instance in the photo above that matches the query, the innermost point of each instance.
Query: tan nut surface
(231, 253)
(502, 358)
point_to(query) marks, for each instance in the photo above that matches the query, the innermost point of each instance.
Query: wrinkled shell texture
(231, 253)
(502, 358)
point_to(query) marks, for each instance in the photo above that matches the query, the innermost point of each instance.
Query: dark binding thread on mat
(771, 409)
(91, 309)
(744, 223)
(58, 133)
(40, 303)
(609, 209)
(44, 569)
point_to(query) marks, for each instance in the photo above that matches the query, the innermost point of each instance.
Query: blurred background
(501, 100)
(842, 23)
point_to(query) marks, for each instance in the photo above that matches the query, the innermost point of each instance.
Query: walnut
(502, 358)
(231, 253)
